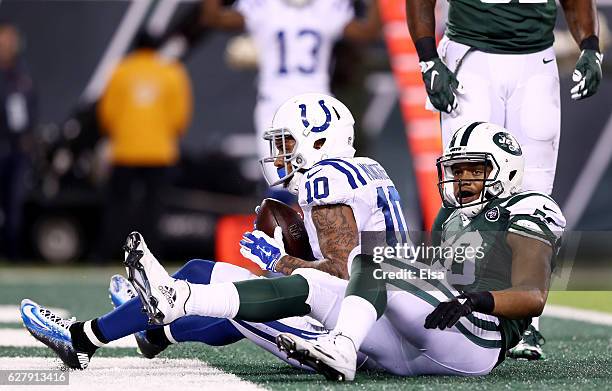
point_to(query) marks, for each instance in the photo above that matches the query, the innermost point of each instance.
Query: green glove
(587, 74)
(441, 85)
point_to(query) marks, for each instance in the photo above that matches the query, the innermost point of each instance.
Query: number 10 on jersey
(391, 200)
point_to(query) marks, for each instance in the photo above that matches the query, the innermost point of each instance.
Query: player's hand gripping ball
(271, 214)
(262, 249)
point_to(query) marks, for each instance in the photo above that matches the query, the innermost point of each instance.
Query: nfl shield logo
(492, 214)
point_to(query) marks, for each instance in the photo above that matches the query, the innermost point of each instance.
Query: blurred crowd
(17, 119)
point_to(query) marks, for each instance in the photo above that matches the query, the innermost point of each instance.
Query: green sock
(264, 300)
(364, 285)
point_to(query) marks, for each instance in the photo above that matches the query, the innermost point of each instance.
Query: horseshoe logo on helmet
(325, 125)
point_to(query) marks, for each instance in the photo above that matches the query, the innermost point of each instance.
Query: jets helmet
(321, 127)
(491, 145)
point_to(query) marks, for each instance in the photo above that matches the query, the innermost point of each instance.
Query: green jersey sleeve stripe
(517, 229)
(521, 196)
(542, 225)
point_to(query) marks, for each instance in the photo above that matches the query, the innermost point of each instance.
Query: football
(272, 214)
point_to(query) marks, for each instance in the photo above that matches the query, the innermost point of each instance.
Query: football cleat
(163, 297)
(530, 346)
(53, 331)
(334, 355)
(121, 291)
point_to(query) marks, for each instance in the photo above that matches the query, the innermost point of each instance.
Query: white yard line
(134, 373)
(10, 313)
(589, 316)
(21, 338)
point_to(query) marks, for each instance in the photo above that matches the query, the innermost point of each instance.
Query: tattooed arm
(338, 235)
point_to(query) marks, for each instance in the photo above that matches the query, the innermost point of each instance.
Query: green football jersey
(481, 259)
(502, 26)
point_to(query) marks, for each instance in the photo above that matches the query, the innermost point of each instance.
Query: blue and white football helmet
(322, 128)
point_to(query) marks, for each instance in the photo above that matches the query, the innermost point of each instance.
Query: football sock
(124, 320)
(86, 336)
(257, 300)
(535, 322)
(129, 318)
(357, 316)
(211, 331)
(208, 330)
(365, 300)
(264, 300)
(217, 300)
(158, 337)
(363, 284)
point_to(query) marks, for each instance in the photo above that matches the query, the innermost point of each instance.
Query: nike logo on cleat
(83, 360)
(545, 61)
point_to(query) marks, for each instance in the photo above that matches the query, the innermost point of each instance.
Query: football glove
(262, 249)
(447, 313)
(587, 74)
(441, 85)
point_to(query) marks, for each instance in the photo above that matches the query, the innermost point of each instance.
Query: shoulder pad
(535, 215)
(332, 181)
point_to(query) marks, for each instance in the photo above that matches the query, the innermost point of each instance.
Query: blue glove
(262, 249)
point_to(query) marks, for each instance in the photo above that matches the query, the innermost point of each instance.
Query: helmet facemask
(294, 164)
(278, 140)
(447, 183)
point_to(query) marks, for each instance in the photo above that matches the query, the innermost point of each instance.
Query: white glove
(262, 249)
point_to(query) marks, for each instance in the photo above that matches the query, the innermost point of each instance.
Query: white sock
(168, 334)
(322, 302)
(357, 316)
(215, 300)
(535, 322)
(91, 336)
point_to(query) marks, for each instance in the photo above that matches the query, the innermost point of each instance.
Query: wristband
(590, 43)
(481, 301)
(426, 48)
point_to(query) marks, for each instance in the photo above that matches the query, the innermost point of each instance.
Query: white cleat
(163, 297)
(333, 355)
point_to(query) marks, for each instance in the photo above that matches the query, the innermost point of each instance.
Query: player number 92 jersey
(362, 184)
(503, 26)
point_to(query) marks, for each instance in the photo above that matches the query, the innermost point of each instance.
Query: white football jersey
(359, 182)
(294, 44)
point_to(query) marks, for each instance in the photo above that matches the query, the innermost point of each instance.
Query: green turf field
(580, 354)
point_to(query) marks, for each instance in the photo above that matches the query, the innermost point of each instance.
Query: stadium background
(68, 46)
